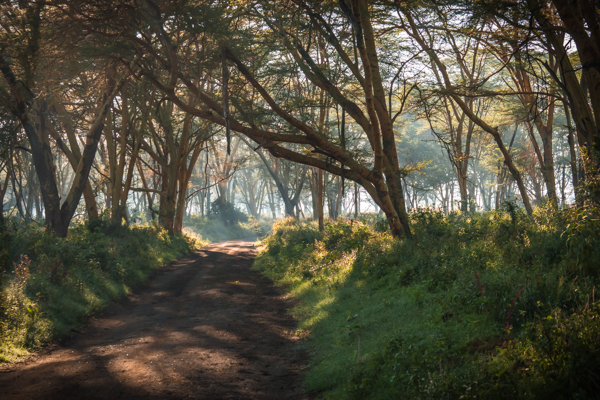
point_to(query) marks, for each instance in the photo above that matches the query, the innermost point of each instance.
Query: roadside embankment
(50, 286)
(490, 305)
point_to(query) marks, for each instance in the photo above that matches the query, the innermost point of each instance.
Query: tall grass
(490, 305)
(49, 286)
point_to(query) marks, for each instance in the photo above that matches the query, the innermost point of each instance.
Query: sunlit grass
(72, 279)
(408, 319)
(10, 353)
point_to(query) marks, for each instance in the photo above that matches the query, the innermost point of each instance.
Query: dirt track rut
(205, 327)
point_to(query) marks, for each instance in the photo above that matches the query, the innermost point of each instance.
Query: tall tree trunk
(320, 200)
(3, 188)
(73, 154)
(464, 196)
(313, 192)
(356, 200)
(168, 198)
(573, 157)
(184, 176)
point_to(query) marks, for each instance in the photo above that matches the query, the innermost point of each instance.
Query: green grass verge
(492, 305)
(49, 286)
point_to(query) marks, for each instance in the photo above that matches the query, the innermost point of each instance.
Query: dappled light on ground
(205, 327)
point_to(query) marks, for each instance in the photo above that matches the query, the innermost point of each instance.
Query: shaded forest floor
(206, 326)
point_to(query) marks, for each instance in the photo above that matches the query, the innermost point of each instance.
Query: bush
(20, 324)
(555, 357)
(226, 212)
(54, 284)
(486, 305)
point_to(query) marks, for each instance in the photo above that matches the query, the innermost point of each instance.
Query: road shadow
(205, 327)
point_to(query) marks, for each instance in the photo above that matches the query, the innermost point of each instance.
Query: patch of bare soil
(205, 327)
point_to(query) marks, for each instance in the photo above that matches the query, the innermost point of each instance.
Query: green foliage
(53, 285)
(556, 357)
(490, 305)
(226, 212)
(583, 236)
(20, 325)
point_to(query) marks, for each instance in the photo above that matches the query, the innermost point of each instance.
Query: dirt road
(205, 327)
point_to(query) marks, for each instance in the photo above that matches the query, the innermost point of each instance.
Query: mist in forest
(217, 113)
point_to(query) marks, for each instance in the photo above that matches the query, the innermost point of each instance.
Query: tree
(382, 181)
(420, 34)
(19, 66)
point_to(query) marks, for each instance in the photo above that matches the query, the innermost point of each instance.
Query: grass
(490, 305)
(49, 286)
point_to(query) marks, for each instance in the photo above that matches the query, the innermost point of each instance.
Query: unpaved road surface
(205, 327)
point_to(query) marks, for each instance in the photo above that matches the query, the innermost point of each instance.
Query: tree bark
(320, 200)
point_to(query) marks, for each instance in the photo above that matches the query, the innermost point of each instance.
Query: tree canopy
(146, 107)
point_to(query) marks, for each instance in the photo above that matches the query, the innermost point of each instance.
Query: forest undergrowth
(485, 305)
(50, 286)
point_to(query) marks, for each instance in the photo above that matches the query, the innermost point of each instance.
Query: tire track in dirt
(205, 327)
